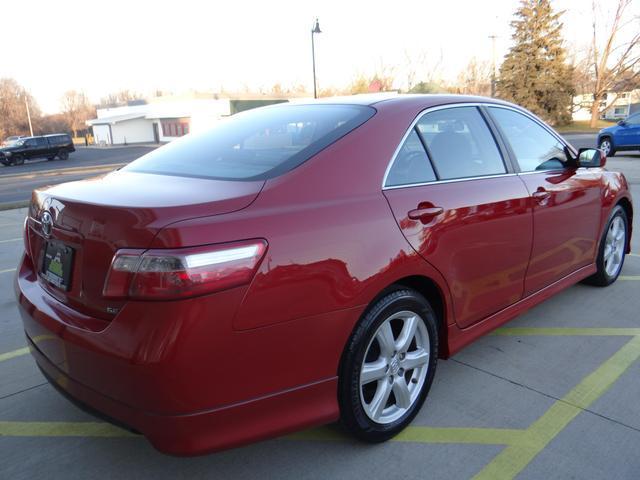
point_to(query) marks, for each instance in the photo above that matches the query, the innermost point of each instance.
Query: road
(16, 183)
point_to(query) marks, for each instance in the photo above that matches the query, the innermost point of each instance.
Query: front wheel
(607, 147)
(18, 159)
(63, 154)
(612, 249)
(388, 366)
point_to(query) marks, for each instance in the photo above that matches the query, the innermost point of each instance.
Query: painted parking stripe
(629, 277)
(7, 270)
(568, 332)
(514, 458)
(61, 429)
(25, 350)
(11, 240)
(15, 353)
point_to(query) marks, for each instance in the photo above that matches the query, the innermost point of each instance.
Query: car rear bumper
(162, 370)
(209, 431)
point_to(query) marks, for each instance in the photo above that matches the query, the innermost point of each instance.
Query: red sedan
(303, 263)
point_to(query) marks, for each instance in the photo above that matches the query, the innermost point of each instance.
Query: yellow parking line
(629, 277)
(6, 270)
(61, 429)
(13, 354)
(417, 434)
(10, 240)
(572, 332)
(514, 458)
(23, 351)
(485, 436)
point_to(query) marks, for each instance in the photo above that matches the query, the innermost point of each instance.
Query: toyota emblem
(47, 223)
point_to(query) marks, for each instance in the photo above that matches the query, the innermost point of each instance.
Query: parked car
(623, 136)
(27, 148)
(11, 139)
(302, 263)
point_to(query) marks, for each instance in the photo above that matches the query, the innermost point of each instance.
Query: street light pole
(26, 103)
(314, 30)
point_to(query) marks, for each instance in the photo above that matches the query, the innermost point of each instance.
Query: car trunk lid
(93, 218)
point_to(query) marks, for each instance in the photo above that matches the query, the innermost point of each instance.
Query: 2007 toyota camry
(304, 263)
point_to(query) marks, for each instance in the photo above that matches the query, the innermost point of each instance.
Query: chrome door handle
(541, 196)
(425, 214)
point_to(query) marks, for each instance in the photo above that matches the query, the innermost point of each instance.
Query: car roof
(407, 99)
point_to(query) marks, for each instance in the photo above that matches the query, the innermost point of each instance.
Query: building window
(175, 127)
(620, 111)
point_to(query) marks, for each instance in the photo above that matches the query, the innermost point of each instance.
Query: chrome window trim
(451, 180)
(457, 105)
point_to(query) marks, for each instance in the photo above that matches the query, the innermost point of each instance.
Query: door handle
(425, 214)
(541, 196)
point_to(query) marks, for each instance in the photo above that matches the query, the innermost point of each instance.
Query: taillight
(169, 274)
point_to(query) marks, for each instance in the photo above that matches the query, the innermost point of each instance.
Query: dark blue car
(623, 136)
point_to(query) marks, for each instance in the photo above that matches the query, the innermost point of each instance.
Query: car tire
(611, 253)
(17, 160)
(379, 406)
(606, 145)
(51, 158)
(63, 154)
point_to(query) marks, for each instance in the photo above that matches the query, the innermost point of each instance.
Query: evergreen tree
(534, 73)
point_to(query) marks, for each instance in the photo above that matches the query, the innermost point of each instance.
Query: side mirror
(622, 123)
(591, 158)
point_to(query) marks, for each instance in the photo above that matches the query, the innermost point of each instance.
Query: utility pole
(26, 103)
(493, 64)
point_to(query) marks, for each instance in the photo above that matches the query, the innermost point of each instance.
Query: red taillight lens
(169, 274)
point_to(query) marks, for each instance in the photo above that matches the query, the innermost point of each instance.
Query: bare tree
(475, 79)
(13, 109)
(119, 98)
(76, 110)
(615, 65)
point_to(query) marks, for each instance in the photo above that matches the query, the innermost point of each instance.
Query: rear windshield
(257, 144)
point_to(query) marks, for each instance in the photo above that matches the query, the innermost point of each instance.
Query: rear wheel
(606, 145)
(612, 249)
(388, 366)
(51, 157)
(63, 154)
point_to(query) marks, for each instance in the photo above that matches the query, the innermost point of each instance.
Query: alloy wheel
(614, 246)
(395, 367)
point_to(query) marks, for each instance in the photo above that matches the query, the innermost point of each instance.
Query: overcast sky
(100, 46)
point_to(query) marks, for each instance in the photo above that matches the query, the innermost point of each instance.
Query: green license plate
(57, 264)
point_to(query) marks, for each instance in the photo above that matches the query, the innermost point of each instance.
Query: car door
(462, 209)
(566, 200)
(30, 148)
(628, 134)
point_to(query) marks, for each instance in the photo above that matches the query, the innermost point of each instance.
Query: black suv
(47, 146)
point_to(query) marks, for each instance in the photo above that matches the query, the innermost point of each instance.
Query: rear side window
(534, 147)
(411, 164)
(257, 144)
(460, 143)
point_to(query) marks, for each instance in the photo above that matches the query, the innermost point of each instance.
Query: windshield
(257, 144)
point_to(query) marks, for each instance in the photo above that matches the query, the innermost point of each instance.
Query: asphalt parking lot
(17, 182)
(553, 394)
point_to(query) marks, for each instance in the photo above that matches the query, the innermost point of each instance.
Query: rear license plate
(57, 264)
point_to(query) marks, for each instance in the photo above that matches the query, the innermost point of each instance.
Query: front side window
(256, 144)
(411, 164)
(460, 143)
(634, 119)
(534, 147)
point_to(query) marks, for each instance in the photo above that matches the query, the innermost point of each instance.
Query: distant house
(163, 119)
(614, 106)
